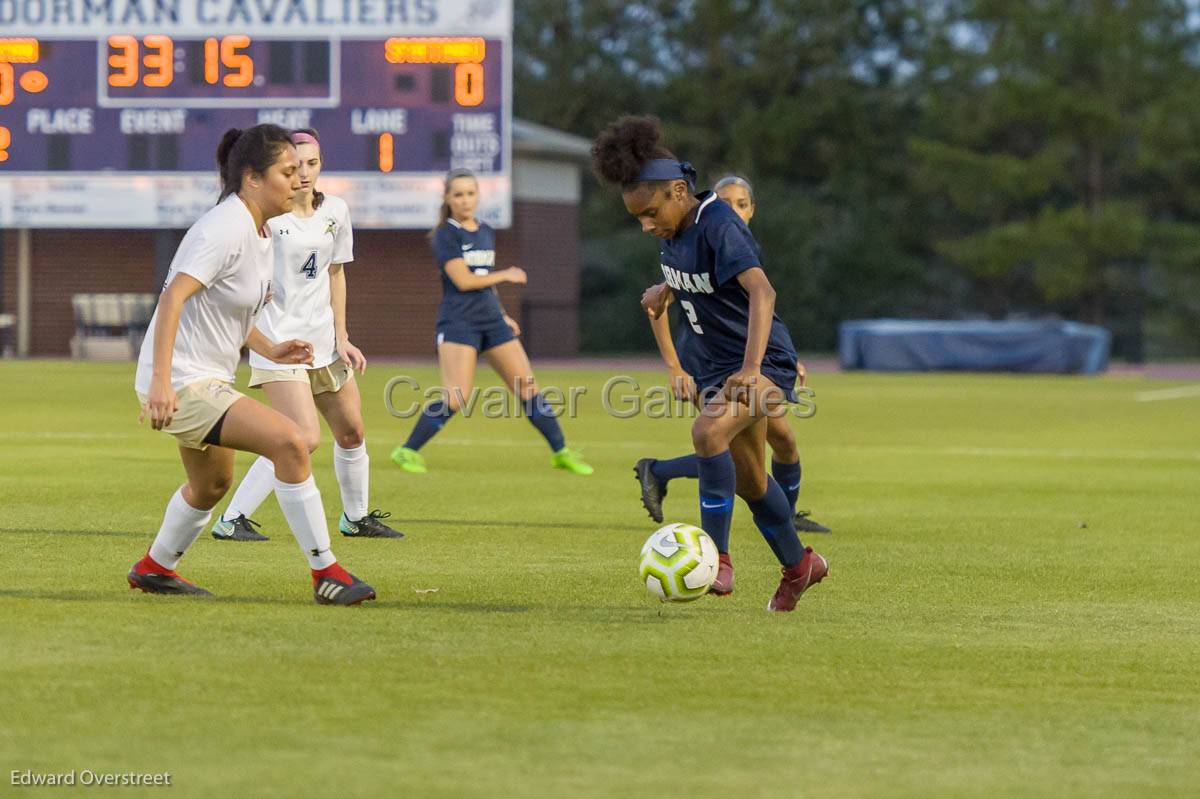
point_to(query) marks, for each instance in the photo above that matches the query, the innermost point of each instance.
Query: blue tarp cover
(902, 345)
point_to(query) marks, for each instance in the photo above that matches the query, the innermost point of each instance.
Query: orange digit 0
(34, 81)
(125, 60)
(6, 83)
(161, 61)
(241, 63)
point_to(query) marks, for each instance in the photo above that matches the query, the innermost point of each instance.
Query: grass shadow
(117, 596)
(93, 533)
(591, 526)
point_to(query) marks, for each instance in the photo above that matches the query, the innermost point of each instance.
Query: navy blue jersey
(701, 266)
(478, 249)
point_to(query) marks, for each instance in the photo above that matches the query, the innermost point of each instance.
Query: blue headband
(667, 169)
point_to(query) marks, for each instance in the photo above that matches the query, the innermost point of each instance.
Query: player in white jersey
(219, 282)
(312, 244)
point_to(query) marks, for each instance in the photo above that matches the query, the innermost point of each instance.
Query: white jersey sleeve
(205, 253)
(343, 238)
(224, 251)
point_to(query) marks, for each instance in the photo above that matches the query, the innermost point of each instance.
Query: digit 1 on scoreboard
(211, 51)
(386, 144)
(468, 84)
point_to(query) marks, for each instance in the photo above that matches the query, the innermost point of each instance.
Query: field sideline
(1013, 608)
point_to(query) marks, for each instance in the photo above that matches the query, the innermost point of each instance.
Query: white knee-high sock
(352, 467)
(254, 489)
(301, 504)
(181, 526)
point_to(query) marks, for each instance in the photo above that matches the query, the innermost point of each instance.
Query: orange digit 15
(224, 52)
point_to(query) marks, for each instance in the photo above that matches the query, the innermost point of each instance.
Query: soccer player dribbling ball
(470, 323)
(738, 352)
(654, 475)
(312, 243)
(218, 283)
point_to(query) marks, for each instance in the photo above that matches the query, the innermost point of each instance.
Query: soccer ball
(679, 563)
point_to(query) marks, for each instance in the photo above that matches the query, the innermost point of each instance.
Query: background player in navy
(652, 474)
(471, 322)
(731, 342)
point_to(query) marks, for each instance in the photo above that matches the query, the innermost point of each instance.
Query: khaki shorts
(198, 408)
(326, 379)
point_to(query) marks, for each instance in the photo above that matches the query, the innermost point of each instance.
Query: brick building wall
(393, 286)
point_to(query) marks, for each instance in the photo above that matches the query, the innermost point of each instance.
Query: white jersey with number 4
(225, 252)
(300, 309)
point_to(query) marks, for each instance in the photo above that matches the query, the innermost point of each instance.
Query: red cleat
(153, 578)
(333, 585)
(723, 585)
(811, 569)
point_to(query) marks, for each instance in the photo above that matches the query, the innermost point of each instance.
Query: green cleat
(409, 460)
(571, 461)
(369, 526)
(240, 529)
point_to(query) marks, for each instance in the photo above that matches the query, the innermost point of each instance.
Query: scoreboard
(111, 110)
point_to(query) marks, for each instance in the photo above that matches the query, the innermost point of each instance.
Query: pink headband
(300, 137)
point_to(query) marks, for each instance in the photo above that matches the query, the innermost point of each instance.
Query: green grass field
(1013, 608)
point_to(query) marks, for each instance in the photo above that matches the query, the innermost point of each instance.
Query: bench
(8, 324)
(110, 327)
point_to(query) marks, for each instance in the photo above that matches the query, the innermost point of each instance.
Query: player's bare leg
(209, 474)
(511, 363)
(294, 400)
(254, 427)
(457, 363)
(343, 412)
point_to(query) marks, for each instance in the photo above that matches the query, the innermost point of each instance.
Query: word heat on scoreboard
(111, 110)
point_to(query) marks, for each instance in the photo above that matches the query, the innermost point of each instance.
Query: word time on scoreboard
(111, 110)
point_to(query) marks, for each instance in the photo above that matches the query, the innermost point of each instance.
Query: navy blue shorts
(710, 385)
(481, 337)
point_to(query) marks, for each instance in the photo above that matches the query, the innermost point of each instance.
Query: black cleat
(330, 590)
(369, 526)
(807, 525)
(654, 491)
(240, 529)
(170, 583)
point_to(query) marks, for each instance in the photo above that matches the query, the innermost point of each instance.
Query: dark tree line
(912, 158)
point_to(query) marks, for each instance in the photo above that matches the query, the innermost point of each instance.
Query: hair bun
(624, 146)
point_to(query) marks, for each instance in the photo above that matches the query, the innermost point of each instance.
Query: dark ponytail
(444, 211)
(624, 147)
(253, 148)
(318, 197)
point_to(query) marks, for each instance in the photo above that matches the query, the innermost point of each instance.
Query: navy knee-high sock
(788, 477)
(433, 419)
(683, 466)
(541, 416)
(718, 479)
(774, 517)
